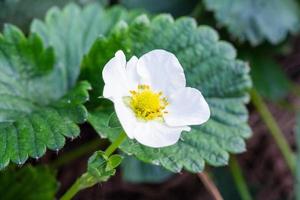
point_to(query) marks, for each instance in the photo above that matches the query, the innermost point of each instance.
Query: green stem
(87, 180)
(274, 129)
(115, 144)
(239, 179)
(297, 177)
(72, 190)
(81, 183)
(295, 89)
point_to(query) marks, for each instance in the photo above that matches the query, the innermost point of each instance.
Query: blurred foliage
(135, 171)
(28, 183)
(268, 76)
(174, 7)
(21, 12)
(225, 183)
(257, 20)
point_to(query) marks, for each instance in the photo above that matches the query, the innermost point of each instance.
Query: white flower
(151, 99)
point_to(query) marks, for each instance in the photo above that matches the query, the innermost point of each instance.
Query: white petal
(126, 117)
(162, 71)
(151, 133)
(187, 107)
(114, 76)
(156, 134)
(131, 72)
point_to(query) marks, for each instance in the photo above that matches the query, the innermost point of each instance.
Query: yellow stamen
(146, 104)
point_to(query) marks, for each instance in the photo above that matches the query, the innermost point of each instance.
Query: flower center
(146, 104)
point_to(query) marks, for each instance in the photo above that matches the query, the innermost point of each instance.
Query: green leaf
(21, 12)
(268, 76)
(210, 66)
(30, 183)
(101, 167)
(35, 113)
(72, 31)
(257, 20)
(135, 171)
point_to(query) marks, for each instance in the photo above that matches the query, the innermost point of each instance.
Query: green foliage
(21, 12)
(210, 66)
(257, 20)
(175, 7)
(267, 75)
(35, 113)
(135, 171)
(30, 183)
(101, 167)
(225, 183)
(72, 31)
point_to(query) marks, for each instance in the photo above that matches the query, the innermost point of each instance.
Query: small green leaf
(257, 20)
(30, 183)
(101, 167)
(35, 112)
(210, 65)
(114, 161)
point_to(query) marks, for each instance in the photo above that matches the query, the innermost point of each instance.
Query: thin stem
(115, 144)
(239, 179)
(295, 89)
(87, 180)
(274, 129)
(83, 149)
(73, 190)
(210, 186)
(297, 177)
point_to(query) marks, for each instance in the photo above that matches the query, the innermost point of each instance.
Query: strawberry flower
(151, 99)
